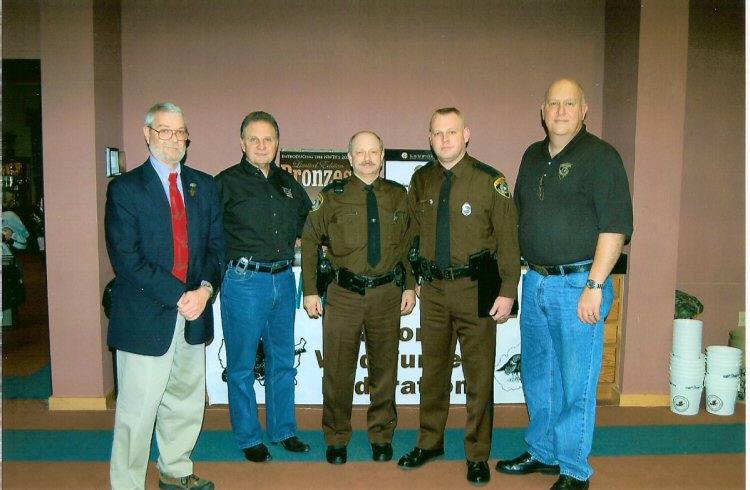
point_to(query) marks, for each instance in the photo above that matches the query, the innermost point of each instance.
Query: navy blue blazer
(138, 227)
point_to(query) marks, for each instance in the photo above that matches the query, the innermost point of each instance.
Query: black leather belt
(273, 268)
(358, 284)
(449, 273)
(559, 270)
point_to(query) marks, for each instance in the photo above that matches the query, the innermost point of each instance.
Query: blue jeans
(561, 358)
(257, 305)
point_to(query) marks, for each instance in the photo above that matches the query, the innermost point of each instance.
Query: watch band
(591, 284)
(207, 285)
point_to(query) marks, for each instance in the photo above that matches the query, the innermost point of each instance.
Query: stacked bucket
(687, 367)
(737, 339)
(723, 369)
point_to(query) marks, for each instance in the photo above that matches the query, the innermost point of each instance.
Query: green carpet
(37, 386)
(215, 446)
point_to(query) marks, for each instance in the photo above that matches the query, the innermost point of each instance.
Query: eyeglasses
(541, 187)
(165, 134)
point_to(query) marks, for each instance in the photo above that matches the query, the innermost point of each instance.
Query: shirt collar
(255, 171)
(162, 170)
(360, 185)
(459, 168)
(571, 144)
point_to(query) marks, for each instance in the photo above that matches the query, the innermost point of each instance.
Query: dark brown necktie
(443, 229)
(373, 228)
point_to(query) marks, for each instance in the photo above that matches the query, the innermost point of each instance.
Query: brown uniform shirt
(342, 217)
(482, 216)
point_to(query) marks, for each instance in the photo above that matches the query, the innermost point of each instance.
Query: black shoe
(257, 454)
(525, 464)
(294, 445)
(567, 482)
(417, 457)
(478, 472)
(382, 451)
(336, 454)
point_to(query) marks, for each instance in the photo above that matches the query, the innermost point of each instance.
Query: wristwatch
(591, 284)
(207, 285)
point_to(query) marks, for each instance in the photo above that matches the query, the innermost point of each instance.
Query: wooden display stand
(607, 392)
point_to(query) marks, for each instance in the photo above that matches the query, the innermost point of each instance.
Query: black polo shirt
(566, 201)
(263, 217)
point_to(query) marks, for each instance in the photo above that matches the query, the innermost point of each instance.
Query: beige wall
(328, 68)
(336, 67)
(656, 196)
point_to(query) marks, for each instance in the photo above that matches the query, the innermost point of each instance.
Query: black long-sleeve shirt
(263, 217)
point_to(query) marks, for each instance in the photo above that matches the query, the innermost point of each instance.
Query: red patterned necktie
(179, 230)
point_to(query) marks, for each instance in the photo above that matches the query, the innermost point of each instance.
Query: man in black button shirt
(264, 212)
(575, 215)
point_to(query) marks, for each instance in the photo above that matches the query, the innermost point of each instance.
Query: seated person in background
(14, 238)
(15, 233)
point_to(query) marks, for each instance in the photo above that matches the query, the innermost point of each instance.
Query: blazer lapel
(191, 196)
(156, 191)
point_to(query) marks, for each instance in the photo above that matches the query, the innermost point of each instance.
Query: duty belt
(272, 267)
(559, 270)
(358, 284)
(449, 273)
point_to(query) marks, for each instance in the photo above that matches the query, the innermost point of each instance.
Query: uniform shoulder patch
(487, 169)
(501, 186)
(317, 203)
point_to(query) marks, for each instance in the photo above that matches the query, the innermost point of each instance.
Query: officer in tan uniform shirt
(477, 214)
(363, 222)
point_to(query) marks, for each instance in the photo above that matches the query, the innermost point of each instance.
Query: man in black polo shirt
(264, 212)
(575, 215)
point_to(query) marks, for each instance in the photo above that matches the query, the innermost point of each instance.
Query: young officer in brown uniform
(459, 207)
(363, 222)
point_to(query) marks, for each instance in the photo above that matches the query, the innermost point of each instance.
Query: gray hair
(351, 140)
(259, 116)
(163, 107)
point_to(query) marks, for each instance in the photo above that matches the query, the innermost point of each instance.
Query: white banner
(309, 362)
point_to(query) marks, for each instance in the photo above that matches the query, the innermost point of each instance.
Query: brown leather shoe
(525, 464)
(190, 482)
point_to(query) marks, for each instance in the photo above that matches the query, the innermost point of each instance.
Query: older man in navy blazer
(165, 239)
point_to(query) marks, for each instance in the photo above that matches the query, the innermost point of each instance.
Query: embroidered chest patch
(564, 170)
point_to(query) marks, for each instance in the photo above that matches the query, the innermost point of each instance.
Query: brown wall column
(80, 113)
(659, 142)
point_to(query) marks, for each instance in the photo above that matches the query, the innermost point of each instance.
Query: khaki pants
(448, 314)
(378, 312)
(169, 390)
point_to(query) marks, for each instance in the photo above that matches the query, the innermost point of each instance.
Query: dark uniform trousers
(448, 314)
(346, 313)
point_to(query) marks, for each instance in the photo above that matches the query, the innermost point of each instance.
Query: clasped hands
(192, 303)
